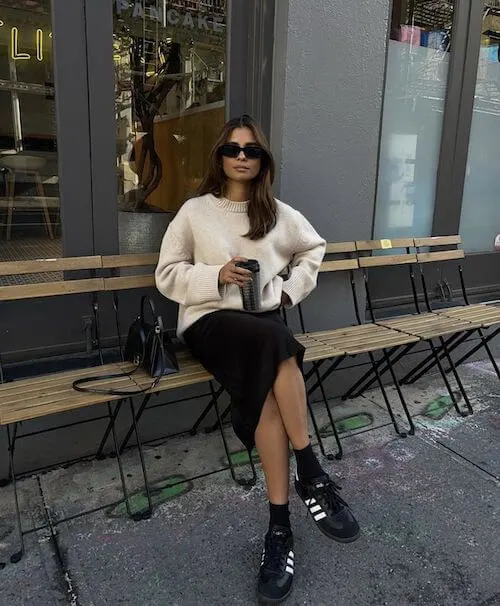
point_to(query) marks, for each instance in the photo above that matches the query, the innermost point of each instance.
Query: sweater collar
(230, 206)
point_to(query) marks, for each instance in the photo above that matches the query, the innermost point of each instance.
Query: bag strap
(77, 385)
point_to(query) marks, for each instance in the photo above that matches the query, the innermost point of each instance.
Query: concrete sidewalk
(428, 505)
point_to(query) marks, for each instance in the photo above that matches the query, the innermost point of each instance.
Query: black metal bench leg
(112, 418)
(484, 341)
(147, 514)
(457, 379)
(317, 432)
(429, 362)
(477, 348)
(11, 440)
(137, 417)
(400, 433)
(206, 410)
(358, 389)
(387, 358)
(445, 378)
(338, 455)
(241, 481)
(109, 428)
(351, 392)
(223, 417)
(324, 376)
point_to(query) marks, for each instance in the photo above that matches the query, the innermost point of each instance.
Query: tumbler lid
(250, 264)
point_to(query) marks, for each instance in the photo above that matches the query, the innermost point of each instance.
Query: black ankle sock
(308, 466)
(279, 514)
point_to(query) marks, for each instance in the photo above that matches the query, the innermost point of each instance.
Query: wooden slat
(387, 260)
(364, 245)
(35, 266)
(340, 265)
(387, 342)
(127, 282)
(340, 247)
(321, 352)
(132, 260)
(445, 255)
(50, 289)
(437, 241)
(459, 308)
(487, 315)
(443, 326)
(347, 330)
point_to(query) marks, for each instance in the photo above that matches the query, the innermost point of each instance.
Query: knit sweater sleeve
(177, 276)
(307, 257)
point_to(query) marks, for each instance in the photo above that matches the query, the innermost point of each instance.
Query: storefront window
(29, 185)
(480, 221)
(170, 66)
(418, 58)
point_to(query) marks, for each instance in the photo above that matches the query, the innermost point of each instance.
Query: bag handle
(157, 320)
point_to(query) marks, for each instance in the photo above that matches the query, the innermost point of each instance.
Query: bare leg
(272, 445)
(290, 393)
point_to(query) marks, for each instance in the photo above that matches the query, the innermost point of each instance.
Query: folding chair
(427, 326)
(443, 250)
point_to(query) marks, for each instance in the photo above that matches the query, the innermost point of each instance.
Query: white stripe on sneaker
(315, 508)
(289, 570)
(289, 561)
(309, 502)
(320, 516)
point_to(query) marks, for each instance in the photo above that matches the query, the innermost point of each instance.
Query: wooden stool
(28, 165)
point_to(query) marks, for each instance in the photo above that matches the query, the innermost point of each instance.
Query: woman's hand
(230, 274)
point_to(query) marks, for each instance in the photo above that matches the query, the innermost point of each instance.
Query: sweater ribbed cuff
(294, 288)
(206, 283)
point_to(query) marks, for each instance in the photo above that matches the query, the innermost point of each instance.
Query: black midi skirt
(243, 352)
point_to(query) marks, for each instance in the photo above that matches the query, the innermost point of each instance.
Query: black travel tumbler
(250, 293)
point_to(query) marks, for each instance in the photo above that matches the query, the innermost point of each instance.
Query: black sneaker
(331, 514)
(276, 568)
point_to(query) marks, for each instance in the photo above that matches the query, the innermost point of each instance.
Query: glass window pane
(418, 58)
(170, 66)
(29, 184)
(480, 220)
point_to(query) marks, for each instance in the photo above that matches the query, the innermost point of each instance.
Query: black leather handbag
(147, 347)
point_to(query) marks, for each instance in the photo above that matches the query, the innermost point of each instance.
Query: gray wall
(327, 103)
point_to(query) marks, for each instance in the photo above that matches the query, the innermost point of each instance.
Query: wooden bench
(33, 398)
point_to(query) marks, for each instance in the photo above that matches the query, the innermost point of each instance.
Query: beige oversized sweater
(207, 232)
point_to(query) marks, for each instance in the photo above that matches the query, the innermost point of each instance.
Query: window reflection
(170, 65)
(417, 70)
(29, 185)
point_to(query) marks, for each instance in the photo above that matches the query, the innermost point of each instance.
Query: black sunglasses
(233, 150)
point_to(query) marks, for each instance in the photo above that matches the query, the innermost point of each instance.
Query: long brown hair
(262, 209)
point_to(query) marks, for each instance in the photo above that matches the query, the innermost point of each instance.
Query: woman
(253, 355)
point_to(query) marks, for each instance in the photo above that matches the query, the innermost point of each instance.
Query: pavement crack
(461, 456)
(65, 575)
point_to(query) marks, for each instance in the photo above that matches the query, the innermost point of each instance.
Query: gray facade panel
(326, 116)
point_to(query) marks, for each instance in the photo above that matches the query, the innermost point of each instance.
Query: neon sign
(16, 53)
